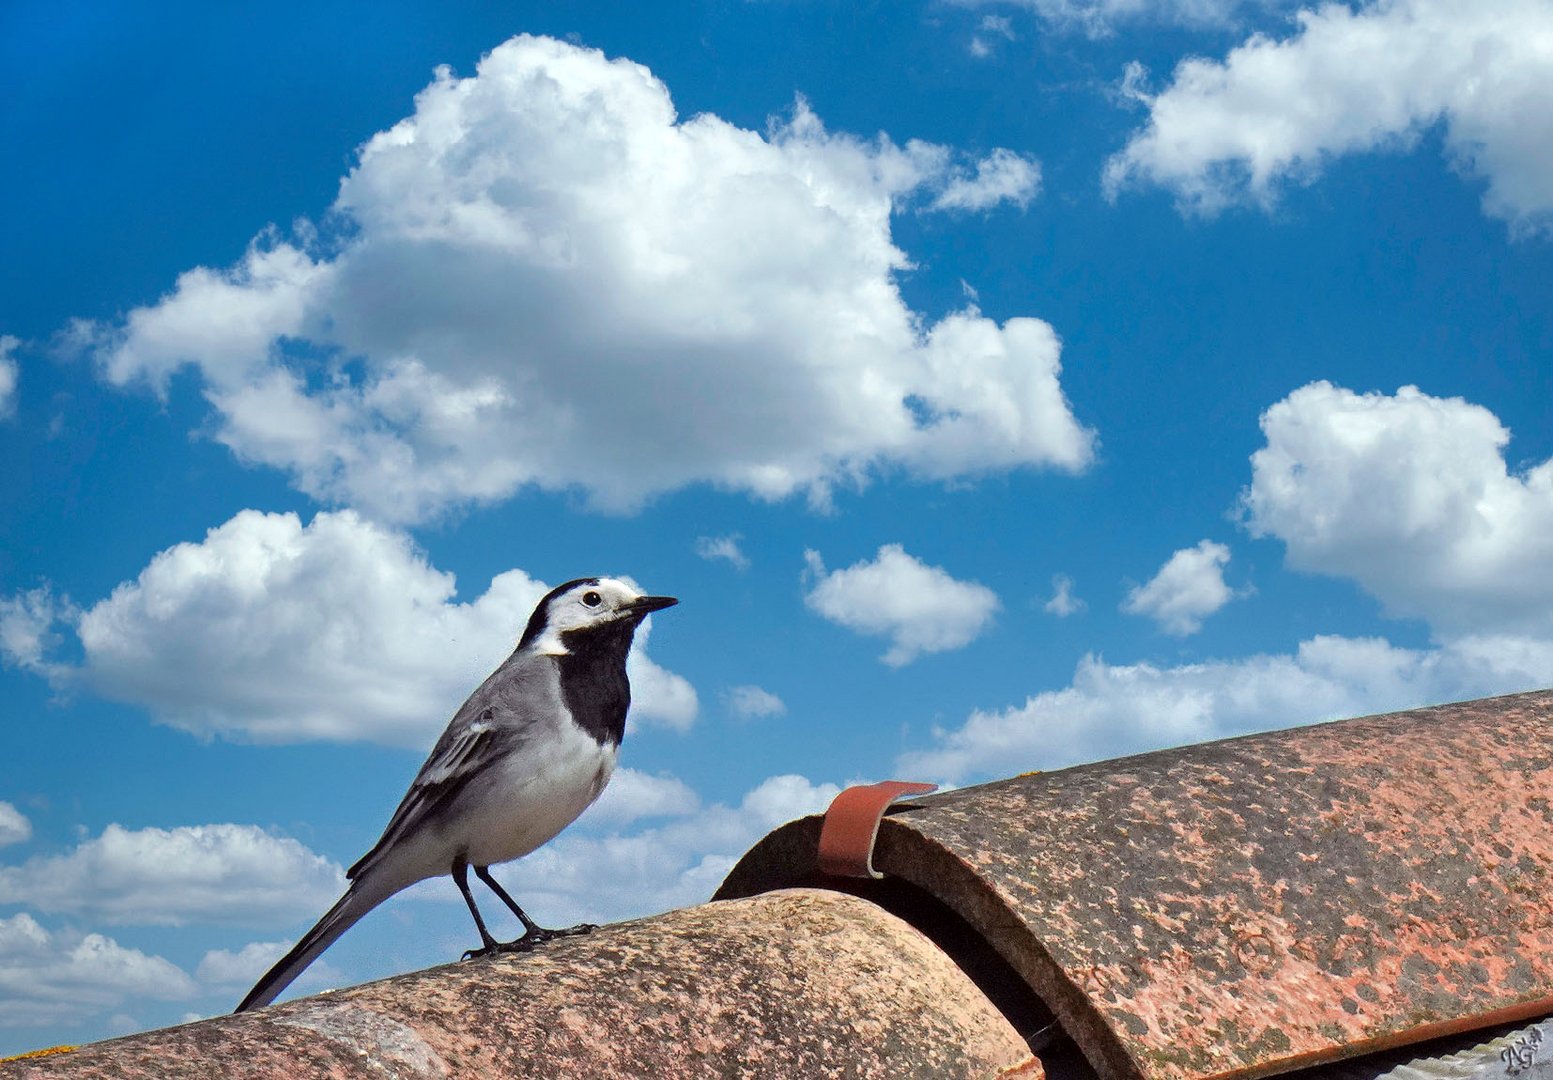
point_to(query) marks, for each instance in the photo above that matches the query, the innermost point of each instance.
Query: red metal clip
(852, 825)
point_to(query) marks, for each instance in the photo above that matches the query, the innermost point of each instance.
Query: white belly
(527, 801)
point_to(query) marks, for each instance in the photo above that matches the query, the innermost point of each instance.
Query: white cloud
(1353, 81)
(275, 631)
(9, 372)
(1002, 176)
(1410, 496)
(920, 608)
(549, 280)
(1063, 603)
(990, 28)
(658, 696)
(723, 547)
(63, 977)
(598, 878)
(1099, 18)
(1111, 710)
(14, 826)
(1001, 25)
(1186, 590)
(27, 633)
(193, 873)
(122, 1024)
(633, 795)
(752, 702)
(224, 970)
(1407, 494)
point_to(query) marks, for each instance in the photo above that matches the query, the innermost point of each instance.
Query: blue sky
(1000, 385)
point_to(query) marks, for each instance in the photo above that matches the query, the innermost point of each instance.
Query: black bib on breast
(593, 679)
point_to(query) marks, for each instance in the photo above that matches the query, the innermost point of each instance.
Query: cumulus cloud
(1002, 176)
(1110, 710)
(988, 31)
(226, 970)
(725, 548)
(1099, 18)
(616, 876)
(52, 978)
(223, 967)
(1410, 496)
(14, 826)
(27, 629)
(1062, 603)
(752, 702)
(9, 373)
(1185, 591)
(274, 631)
(920, 608)
(194, 873)
(1276, 111)
(633, 795)
(547, 279)
(658, 696)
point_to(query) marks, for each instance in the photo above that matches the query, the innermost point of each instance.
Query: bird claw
(575, 931)
(540, 935)
(530, 940)
(526, 943)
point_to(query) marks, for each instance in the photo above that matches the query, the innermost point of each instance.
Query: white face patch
(583, 606)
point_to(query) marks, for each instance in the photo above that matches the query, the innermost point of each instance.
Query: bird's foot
(531, 940)
(538, 935)
(575, 931)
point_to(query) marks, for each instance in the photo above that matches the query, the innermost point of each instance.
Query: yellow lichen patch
(45, 1052)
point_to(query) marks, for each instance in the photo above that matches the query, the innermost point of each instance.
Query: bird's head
(588, 605)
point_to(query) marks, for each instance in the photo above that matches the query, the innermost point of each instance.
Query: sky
(999, 384)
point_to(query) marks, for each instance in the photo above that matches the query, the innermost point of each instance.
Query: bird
(529, 751)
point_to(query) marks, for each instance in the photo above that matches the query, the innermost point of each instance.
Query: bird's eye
(592, 599)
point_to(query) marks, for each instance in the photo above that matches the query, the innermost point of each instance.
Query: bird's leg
(533, 933)
(488, 944)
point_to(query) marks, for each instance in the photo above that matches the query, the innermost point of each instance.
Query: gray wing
(497, 720)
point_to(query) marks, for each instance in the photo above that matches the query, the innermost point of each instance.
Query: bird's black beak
(646, 605)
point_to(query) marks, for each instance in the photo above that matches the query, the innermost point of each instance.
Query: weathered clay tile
(790, 984)
(1252, 905)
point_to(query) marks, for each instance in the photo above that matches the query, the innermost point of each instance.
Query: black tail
(352, 906)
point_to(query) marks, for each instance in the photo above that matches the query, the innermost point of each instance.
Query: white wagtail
(527, 753)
